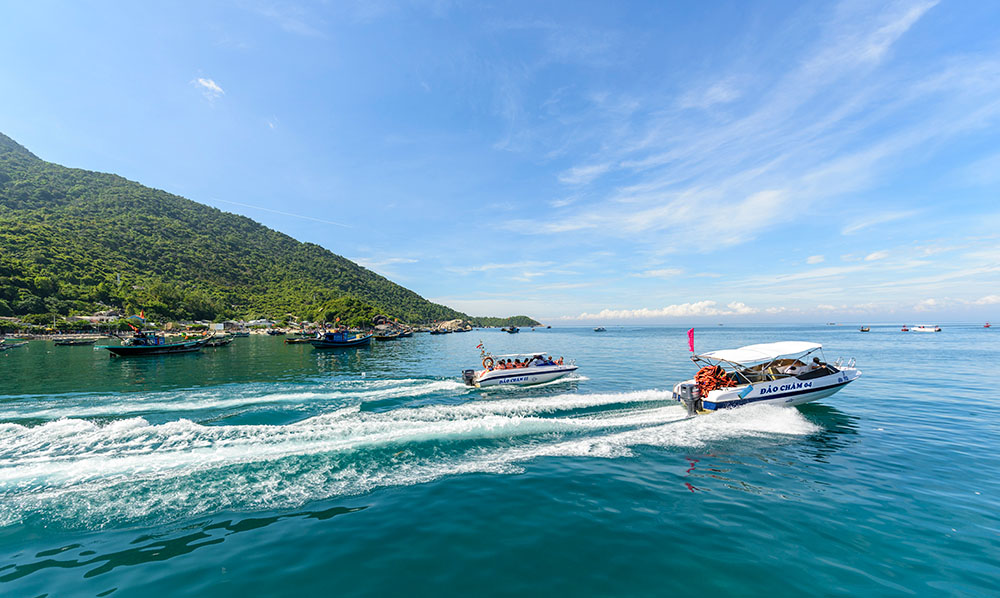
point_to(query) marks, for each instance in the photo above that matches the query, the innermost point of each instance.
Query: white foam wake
(128, 469)
(226, 398)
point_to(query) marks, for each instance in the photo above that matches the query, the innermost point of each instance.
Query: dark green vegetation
(75, 241)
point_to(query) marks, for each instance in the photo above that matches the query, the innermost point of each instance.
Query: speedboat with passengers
(781, 373)
(519, 369)
(925, 328)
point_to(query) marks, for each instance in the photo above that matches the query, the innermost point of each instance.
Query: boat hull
(784, 391)
(522, 377)
(324, 344)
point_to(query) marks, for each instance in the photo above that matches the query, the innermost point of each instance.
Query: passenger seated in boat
(795, 368)
(560, 362)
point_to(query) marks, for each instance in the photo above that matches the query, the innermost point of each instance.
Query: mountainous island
(75, 241)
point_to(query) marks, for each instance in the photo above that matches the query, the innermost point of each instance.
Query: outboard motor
(690, 395)
(469, 376)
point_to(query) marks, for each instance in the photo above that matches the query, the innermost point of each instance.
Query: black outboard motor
(690, 395)
(469, 376)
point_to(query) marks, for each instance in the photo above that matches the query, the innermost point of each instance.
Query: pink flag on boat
(691, 340)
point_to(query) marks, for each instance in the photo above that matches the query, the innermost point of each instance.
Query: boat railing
(840, 363)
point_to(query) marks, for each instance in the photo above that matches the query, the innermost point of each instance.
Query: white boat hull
(783, 391)
(522, 376)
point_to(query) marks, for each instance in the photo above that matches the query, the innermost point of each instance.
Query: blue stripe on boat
(736, 403)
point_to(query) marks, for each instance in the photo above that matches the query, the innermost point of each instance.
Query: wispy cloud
(301, 216)
(289, 16)
(375, 263)
(580, 175)
(833, 125)
(876, 255)
(507, 266)
(699, 308)
(875, 219)
(815, 259)
(209, 88)
(660, 273)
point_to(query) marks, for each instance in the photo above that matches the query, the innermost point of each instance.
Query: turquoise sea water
(264, 469)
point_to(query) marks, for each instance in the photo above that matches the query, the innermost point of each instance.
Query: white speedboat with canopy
(518, 369)
(786, 373)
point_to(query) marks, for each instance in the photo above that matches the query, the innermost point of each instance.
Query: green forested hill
(74, 240)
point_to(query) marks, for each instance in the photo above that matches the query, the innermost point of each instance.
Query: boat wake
(83, 472)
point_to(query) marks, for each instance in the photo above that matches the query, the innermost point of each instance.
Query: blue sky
(592, 162)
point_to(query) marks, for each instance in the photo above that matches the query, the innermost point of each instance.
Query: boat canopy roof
(761, 352)
(520, 355)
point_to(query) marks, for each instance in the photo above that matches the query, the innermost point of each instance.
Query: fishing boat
(864, 329)
(241, 334)
(275, 332)
(904, 329)
(986, 325)
(600, 329)
(406, 333)
(73, 342)
(5, 345)
(440, 331)
(539, 369)
(925, 328)
(143, 343)
(511, 330)
(779, 373)
(386, 336)
(299, 340)
(338, 339)
(219, 341)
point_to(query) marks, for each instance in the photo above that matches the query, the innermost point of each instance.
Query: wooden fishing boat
(219, 341)
(337, 340)
(386, 336)
(299, 340)
(4, 345)
(142, 344)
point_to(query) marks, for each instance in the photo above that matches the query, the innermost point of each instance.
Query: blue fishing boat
(334, 340)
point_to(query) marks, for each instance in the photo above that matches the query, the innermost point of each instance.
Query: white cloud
(700, 308)
(209, 88)
(927, 305)
(988, 300)
(374, 263)
(720, 92)
(507, 266)
(872, 220)
(815, 259)
(661, 273)
(581, 175)
(876, 255)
